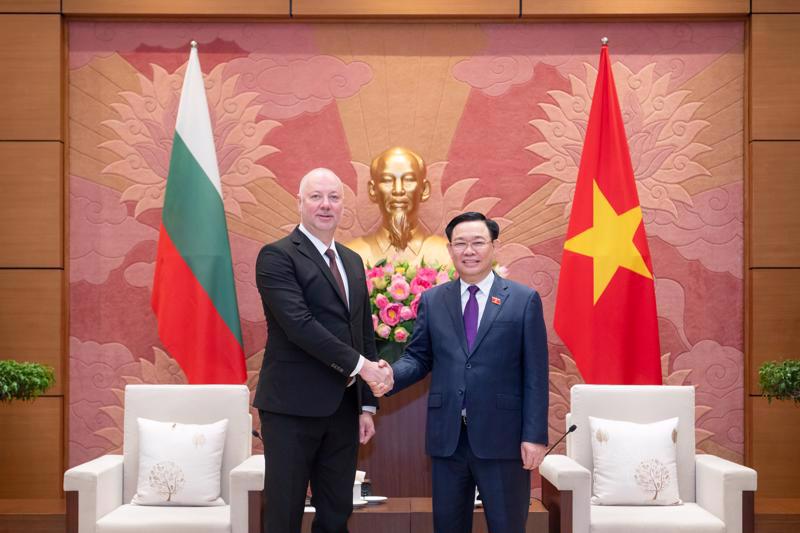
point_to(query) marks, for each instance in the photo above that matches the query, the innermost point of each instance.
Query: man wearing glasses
(483, 338)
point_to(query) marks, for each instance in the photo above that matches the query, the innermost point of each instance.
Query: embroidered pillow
(634, 464)
(179, 464)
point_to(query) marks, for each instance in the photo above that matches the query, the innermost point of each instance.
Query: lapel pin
(495, 300)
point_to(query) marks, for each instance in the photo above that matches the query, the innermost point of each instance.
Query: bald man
(313, 399)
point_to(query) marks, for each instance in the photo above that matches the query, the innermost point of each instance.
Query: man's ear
(426, 190)
(373, 196)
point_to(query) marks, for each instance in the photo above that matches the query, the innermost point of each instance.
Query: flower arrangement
(394, 292)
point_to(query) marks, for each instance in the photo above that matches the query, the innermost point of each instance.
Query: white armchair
(717, 494)
(99, 491)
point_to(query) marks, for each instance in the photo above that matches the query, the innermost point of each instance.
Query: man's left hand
(366, 427)
(532, 455)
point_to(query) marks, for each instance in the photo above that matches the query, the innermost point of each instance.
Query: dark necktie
(336, 274)
(471, 316)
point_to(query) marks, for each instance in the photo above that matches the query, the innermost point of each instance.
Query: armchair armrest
(726, 490)
(566, 493)
(94, 489)
(247, 482)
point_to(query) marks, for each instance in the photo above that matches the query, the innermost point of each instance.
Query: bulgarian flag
(606, 305)
(194, 297)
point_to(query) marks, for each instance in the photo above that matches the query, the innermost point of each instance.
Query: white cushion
(688, 518)
(153, 519)
(190, 404)
(635, 403)
(634, 464)
(179, 464)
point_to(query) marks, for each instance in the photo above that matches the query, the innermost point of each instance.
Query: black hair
(469, 216)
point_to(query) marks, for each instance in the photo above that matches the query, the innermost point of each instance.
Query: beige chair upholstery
(718, 494)
(105, 486)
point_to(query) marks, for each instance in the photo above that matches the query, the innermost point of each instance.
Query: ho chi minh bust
(398, 184)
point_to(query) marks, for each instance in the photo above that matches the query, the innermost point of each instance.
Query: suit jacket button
(469, 365)
(460, 392)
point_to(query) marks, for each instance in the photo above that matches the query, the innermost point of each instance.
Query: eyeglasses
(477, 246)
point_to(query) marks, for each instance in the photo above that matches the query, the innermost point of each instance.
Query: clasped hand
(379, 376)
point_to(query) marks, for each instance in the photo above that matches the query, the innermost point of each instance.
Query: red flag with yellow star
(606, 305)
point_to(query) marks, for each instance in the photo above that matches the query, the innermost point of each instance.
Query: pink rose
(391, 314)
(370, 286)
(442, 277)
(399, 288)
(419, 285)
(427, 273)
(381, 301)
(415, 304)
(400, 334)
(376, 272)
(375, 322)
(406, 313)
(383, 331)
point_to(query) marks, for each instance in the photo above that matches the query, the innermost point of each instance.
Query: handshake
(379, 376)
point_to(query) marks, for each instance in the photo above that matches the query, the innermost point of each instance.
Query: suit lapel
(306, 247)
(499, 292)
(453, 303)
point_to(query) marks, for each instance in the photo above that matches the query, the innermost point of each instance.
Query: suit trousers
(503, 484)
(319, 450)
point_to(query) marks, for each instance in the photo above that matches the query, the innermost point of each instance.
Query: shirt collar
(484, 285)
(318, 244)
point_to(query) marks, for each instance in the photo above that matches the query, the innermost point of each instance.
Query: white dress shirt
(482, 295)
(322, 248)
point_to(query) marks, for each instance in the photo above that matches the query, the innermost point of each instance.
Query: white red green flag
(194, 297)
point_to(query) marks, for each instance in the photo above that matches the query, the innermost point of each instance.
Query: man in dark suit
(313, 408)
(483, 338)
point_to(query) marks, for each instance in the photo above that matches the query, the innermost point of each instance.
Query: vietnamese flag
(194, 297)
(606, 304)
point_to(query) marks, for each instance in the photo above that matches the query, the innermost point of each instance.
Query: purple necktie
(471, 316)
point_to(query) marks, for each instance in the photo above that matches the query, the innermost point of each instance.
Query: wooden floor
(32, 516)
(774, 515)
(777, 515)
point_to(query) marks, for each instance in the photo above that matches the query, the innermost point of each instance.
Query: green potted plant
(24, 381)
(780, 380)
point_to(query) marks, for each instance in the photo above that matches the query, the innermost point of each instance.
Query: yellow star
(609, 242)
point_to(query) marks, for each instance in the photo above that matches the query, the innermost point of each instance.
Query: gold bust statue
(398, 184)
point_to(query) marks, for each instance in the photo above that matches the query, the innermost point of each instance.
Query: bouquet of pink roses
(394, 292)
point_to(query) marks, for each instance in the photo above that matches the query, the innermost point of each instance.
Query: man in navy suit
(483, 338)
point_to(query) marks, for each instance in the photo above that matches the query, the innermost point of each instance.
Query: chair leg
(72, 511)
(748, 511)
(559, 508)
(254, 507)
